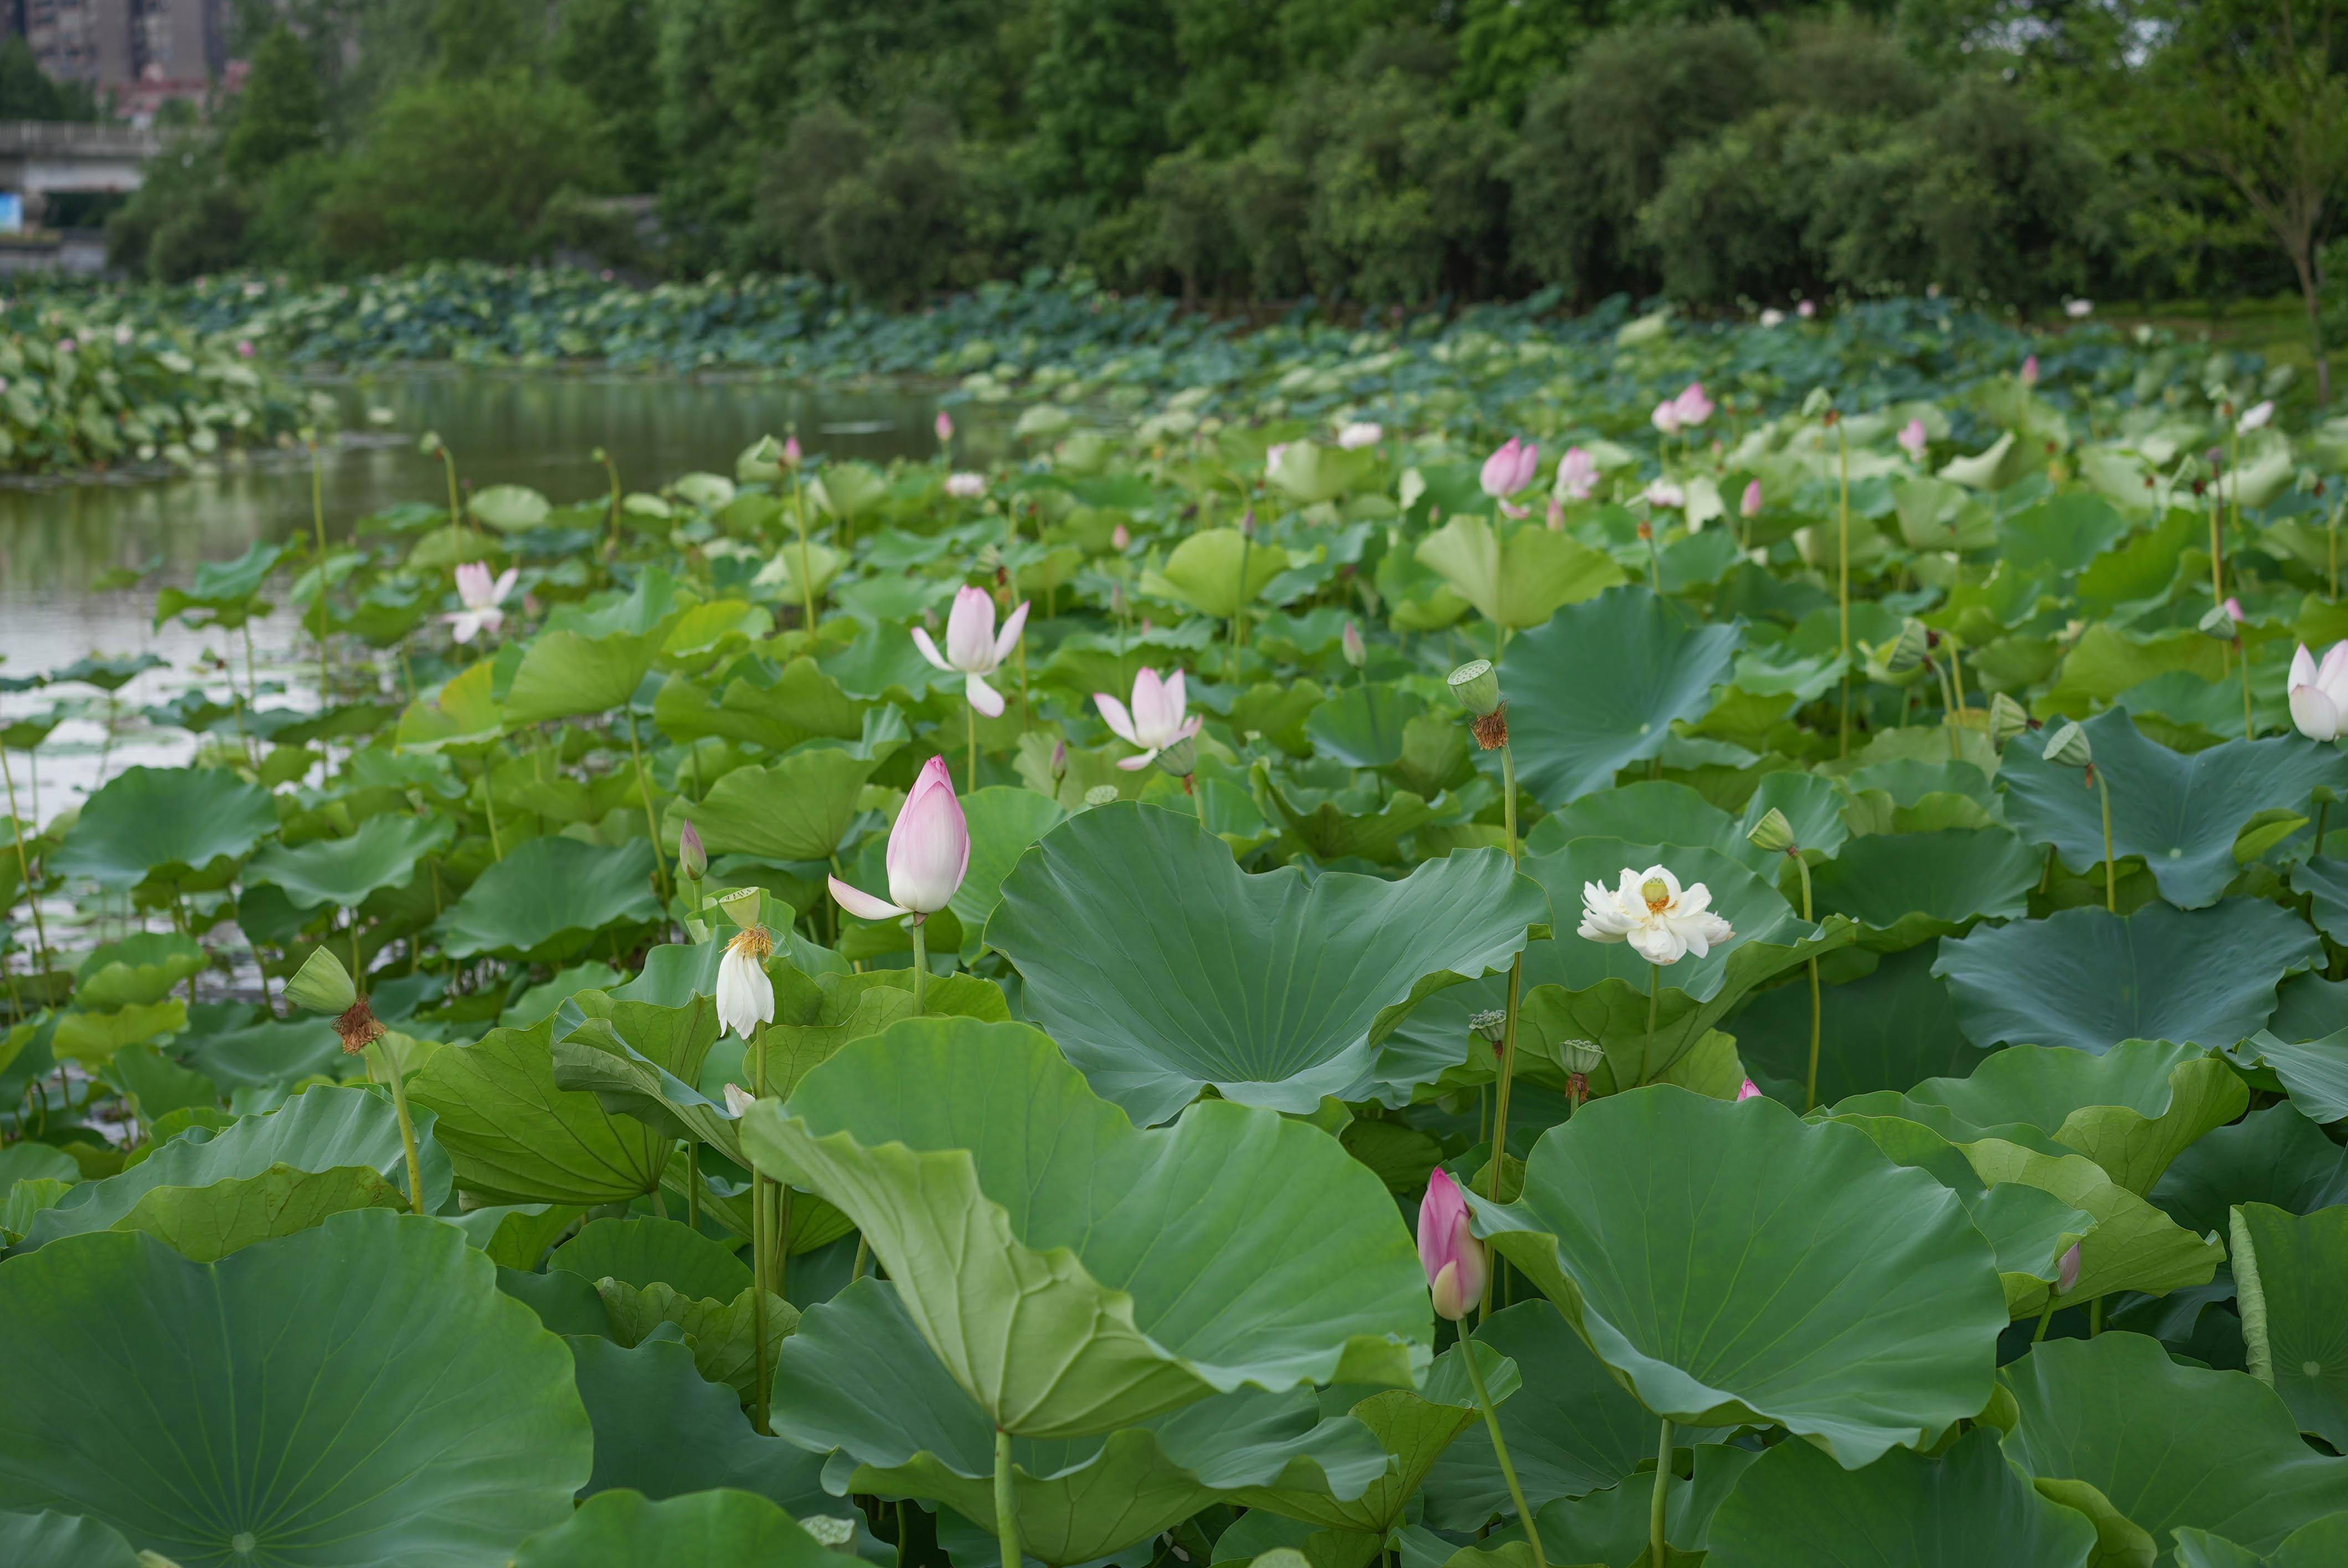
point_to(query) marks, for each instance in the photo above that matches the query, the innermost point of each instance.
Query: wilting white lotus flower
(2257, 419)
(929, 852)
(1664, 921)
(1360, 433)
(966, 486)
(746, 998)
(481, 595)
(1154, 723)
(2078, 310)
(1664, 493)
(739, 1100)
(2318, 692)
(1773, 317)
(973, 646)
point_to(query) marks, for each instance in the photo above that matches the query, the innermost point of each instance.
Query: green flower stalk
(1458, 1275)
(1774, 834)
(1477, 686)
(2068, 748)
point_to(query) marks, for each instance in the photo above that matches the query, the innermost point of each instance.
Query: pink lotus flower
(945, 426)
(1453, 1258)
(974, 648)
(2030, 371)
(1155, 722)
(966, 486)
(1666, 416)
(1691, 406)
(791, 454)
(2319, 693)
(1509, 469)
(2257, 417)
(1806, 308)
(481, 595)
(1576, 474)
(66, 345)
(1913, 438)
(1750, 504)
(929, 851)
(1751, 1091)
(1360, 433)
(244, 349)
(1121, 536)
(2234, 611)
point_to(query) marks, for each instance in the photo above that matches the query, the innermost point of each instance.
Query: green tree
(609, 49)
(485, 37)
(28, 92)
(280, 112)
(1100, 94)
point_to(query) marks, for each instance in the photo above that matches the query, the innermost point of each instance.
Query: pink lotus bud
(1691, 406)
(1577, 476)
(1556, 515)
(1751, 1091)
(244, 348)
(2030, 371)
(791, 453)
(1806, 308)
(1510, 469)
(1913, 439)
(929, 852)
(1666, 418)
(2234, 611)
(945, 426)
(1750, 506)
(2066, 1276)
(1454, 1259)
(1060, 758)
(692, 859)
(1356, 654)
(1121, 536)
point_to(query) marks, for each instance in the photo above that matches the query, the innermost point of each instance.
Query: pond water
(540, 429)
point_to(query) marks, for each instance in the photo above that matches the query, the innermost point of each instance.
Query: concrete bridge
(41, 157)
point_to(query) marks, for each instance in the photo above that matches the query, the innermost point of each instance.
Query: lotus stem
(921, 967)
(2218, 570)
(1501, 1448)
(1658, 1552)
(2095, 1316)
(693, 1183)
(1957, 671)
(1654, 1002)
(806, 568)
(863, 1256)
(33, 892)
(2111, 873)
(612, 469)
(2250, 729)
(1500, 1108)
(318, 520)
(2045, 1317)
(449, 462)
(1007, 1513)
(406, 1124)
(2323, 814)
(760, 1194)
(1842, 592)
(1949, 701)
(1508, 794)
(1810, 1095)
(652, 824)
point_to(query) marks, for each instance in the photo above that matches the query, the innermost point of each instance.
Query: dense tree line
(1368, 151)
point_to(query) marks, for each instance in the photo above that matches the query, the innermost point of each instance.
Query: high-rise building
(140, 52)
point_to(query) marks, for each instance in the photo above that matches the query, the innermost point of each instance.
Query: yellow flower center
(1657, 893)
(753, 944)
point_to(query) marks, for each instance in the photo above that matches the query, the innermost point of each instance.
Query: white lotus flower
(1664, 493)
(746, 998)
(1664, 921)
(481, 595)
(1773, 317)
(965, 487)
(1359, 434)
(739, 1100)
(973, 646)
(2078, 310)
(1156, 720)
(2318, 692)
(2257, 417)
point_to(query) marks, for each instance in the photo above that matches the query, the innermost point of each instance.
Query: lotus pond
(1657, 946)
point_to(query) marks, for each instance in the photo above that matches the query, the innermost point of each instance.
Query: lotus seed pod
(1101, 794)
(1773, 832)
(1477, 686)
(742, 908)
(1907, 651)
(2218, 623)
(1492, 1024)
(2067, 747)
(2007, 719)
(1581, 1056)
(1181, 758)
(323, 985)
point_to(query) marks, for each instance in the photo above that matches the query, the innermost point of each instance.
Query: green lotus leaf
(96, 1036)
(2086, 979)
(138, 972)
(225, 589)
(849, 490)
(2180, 812)
(464, 713)
(324, 1129)
(1575, 988)
(247, 1047)
(1892, 1027)
(1572, 1428)
(1163, 970)
(564, 673)
(1363, 726)
(774, 709)
(207, 1223)
(857, 1381)
(798, 809)
(721, 1334)
(2271, 1156)
(168, 823)
(1003, 822)
(2291, 1275)
(516, 1136)
(1204, 572)
(356, 1394)
(1414, 1427)
(2168, 1445)
(644, 1252)
(1963, 1509)
(510, 508)
(1520, 581)
(663, 1430)
(2325, 879)
(1329, 831)
(1735, 1264)
(718, 1528)
(35, 1163)
(2132, 1110)
(1652, 811)
(1903, 888)
(549, 900)
(2318, 1544)
(1310, 472)
(2315, 1071)
(1571, 733)
(63, 1541)
(1611, 1525)
(1076, 1274)
(342, 872)
(625, 1081)
(2134, 1245)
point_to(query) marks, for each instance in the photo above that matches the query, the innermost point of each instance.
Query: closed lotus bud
(791, 453)
(1773, 832)
(1121, 536)
(1180, 759)
(1059, 759)
(2066, 1276)
(2007, 719)
(1453, 1258)
(692, 859)
(1356, 653)
(1907, 651)
(1477, 686)
(2067, 747)
(1751, 1091)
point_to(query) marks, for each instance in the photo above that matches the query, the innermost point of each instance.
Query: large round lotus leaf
(1362, 726)
(322, 1129)
(1522, 579)
(63, 1541)
(517, 1136)
(166, 822)
(1572, 730)
(1003, 822)
(2315, 1071)
(1215, 572)
(1572, 1428)
(1611, 1525)
(2271, 1156)
(2087, 978)
(702, 1530)
(138, 972)
(510, 508)
(2169, 1445)
(663, 1429)
(2180, 812)
(2322, 1545)
(1968, 1508)
(1163, 970)
(798, 809)
(644, 1252)
(2132, 1110)
(1906, 887)
(859, 1381)
(1652, 811)
(357, 1394)
(1076, 1274)
(1577, 989)
(342, 872)
(2291, 1279)
(1738, 1264)
(1890, 1029)
(549, 899)
(2134, 1246)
